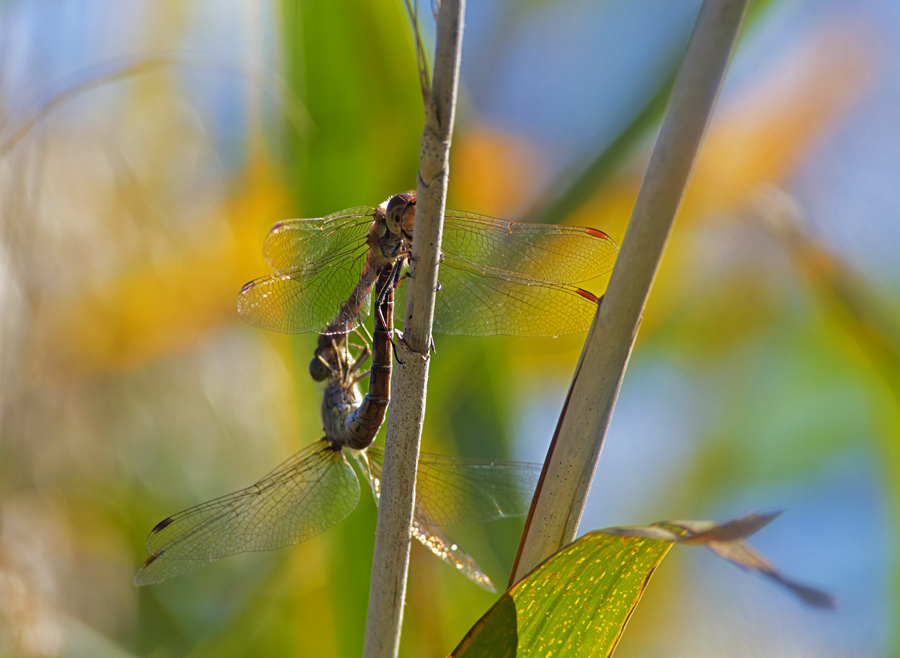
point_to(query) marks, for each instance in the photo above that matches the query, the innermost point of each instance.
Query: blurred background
(145, 149)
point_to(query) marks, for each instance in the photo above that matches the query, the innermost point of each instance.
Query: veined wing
(506, 278)
(435, 541)
(470, 304)
(318, 264)
(313, 300)
(506, 307)
(456, 491)
(307, 494)
(528, 253)
(314, 243)
(423, 528)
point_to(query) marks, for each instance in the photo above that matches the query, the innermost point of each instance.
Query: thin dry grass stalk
(575, 449)
(407, 411)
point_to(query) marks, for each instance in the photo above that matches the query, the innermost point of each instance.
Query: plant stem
(407, 411)
(575, 449)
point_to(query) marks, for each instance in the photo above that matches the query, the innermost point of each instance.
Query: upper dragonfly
(497, 277)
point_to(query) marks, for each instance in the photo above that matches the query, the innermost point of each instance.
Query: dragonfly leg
(363, 334)
(422, 356)
(359, 378)
(394, 350)
(363, 355)
(394, 346)
(410, 259)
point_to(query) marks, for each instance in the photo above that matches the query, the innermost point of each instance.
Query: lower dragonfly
(317, 487)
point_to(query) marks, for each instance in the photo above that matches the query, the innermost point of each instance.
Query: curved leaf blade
(576, 603)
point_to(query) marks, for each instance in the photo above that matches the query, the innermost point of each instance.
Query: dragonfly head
(319, 369)
(400, 214)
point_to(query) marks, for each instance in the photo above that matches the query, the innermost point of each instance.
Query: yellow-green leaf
(576, 603)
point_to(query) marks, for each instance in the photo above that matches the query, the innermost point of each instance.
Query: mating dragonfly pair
(497, 277)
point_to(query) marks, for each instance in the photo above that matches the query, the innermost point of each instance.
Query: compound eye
(396, 210)
(318, 369)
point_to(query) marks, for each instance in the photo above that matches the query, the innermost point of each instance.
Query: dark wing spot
(151, 559)
(596, 233)
(587, 295)
(162, 524)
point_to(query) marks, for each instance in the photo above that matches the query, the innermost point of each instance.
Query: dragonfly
(347, 421)
(497, 277)
(317, 487)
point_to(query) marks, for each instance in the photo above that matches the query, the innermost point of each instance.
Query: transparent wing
(453, 491)
(423, 528)
(470, 304)
(302, 243)
(435, 541)
(318, 264)
(307, 494)
(506, 278)
(529, 253)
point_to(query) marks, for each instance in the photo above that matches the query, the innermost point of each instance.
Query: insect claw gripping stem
(411, 259)
(424, 357)
(394, 347)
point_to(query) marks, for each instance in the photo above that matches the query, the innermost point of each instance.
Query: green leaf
(577, 602)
